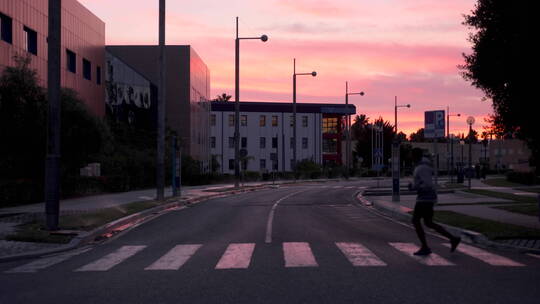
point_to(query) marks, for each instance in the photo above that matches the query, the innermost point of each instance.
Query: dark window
(262, 121)
(231, 164)
(304, 121)
(291, 121)
(87, 69)
(292, 142)
(274, 121)
(231, 120)
(329, 145)
(262, 164)
(244, 142)
(30, 40)
(212, 142)
(243, 120)
(71, 61)
(213, 119)
(6, 28)
(98, 74)
(304, 142)
(231, 142)
(262, 142)
(274, 142)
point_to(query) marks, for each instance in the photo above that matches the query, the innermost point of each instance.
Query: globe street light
(348, 126)
(263, 38)
(470, 122)
(294, 110)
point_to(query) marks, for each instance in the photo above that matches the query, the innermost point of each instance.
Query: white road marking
(337, 187)
(268, 238)
(484, 256)
(359, 255)
(237, 256)
(175, 258)
(298, 254)
(533, 255)
(429, 260)
(148, 198)
(45, 262)
(112, 259)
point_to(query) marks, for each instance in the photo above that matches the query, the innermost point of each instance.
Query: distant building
(187, 91)
(24, 28)
(509, 154)
(266, 134)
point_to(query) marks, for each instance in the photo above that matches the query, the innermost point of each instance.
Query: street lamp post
(263, 38)
(348, 127)
(395, 154)
(294, 110)
(451, 143)
(470, 122)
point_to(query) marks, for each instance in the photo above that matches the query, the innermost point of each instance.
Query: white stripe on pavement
(237, 256)
(270, 221)
(175, 258)
(429, 260)
(484, 256)
(359, 255)
(45, 262)
(112, 259)
(298, 254)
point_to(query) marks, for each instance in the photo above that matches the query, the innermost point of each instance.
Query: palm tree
(222, 98)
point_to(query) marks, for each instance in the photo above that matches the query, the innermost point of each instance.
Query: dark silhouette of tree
(361, 132)
(222, 98)
(500, 62)
(417, 136)
(472, 136)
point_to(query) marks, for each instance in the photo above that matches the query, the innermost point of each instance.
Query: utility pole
(52, 163)
(294, 118)
(160, 162)
(237, 109)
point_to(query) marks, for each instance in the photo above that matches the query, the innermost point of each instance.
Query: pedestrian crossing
(241, 256)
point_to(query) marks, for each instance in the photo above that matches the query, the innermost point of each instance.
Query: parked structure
(24, 28)
(266, 134)
(187, 90)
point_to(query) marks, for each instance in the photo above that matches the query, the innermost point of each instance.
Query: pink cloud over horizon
(387, 48)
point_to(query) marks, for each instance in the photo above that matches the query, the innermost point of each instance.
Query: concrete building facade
(266, 134)
(24, 28)
(187, 91)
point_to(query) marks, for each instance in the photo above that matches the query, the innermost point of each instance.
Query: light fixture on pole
(396, 106)
(348, 127)
(263, 38)
(294, 111)
(395, 154)
(450, 143)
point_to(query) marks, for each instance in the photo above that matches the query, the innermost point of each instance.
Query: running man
(425, 200)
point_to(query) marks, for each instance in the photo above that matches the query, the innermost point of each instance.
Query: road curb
(136, 218)
(399, 213)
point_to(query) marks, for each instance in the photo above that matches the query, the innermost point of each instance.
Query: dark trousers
(425, 210)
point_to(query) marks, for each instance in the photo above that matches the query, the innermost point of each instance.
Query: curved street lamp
(263, 38)
(348, 126)
(450, 142)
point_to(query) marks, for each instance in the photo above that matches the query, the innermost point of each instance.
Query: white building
(266, 134)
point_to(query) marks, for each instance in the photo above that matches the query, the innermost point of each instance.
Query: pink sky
(405, 48)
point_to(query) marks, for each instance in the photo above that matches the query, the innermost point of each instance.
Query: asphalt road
(321, 248)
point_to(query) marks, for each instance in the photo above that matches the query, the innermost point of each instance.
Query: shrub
(527, 178)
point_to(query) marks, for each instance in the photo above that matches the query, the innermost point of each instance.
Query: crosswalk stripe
(298, 254)
(45, 262)
(237, 256)
(175, 258)
(484, 256)
(429, 260)
(112, 259)
(359, 255)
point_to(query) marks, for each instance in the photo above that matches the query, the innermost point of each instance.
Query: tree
(500, 62)
(361, 132)
(417, 136)
(222, 98)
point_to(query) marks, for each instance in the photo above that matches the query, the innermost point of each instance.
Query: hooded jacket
(423, 182)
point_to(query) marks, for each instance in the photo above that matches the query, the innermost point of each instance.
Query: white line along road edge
(271, 216)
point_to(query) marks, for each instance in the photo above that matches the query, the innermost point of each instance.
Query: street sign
(434, 124)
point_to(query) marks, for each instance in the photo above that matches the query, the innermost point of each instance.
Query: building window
(243, 120)
(304, 142)
(330, 125)
(212, 142)
(244, 142)
(262, 164)
(98, 75)
(231, 142)
(212, 119)
(6, 28)
(274, 142)
(304, 121)
(262, 142)
(87, 69)
(231, 120)
(291, 118)
(274, 121)
(71, 61)
(329, 145)
(292, 142)
(262, 121)
(30, 41)
(231, 164)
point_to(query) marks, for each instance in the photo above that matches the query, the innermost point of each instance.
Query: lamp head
(361, 93)
(408, 105)
(459, 115)
(313, 73)
(264, 38)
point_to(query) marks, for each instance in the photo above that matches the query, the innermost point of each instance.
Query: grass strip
(500, 182)
(528, 189)
(472, 204)
(36, 231)
(529, 209)
(492, 229)
(503, 195)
